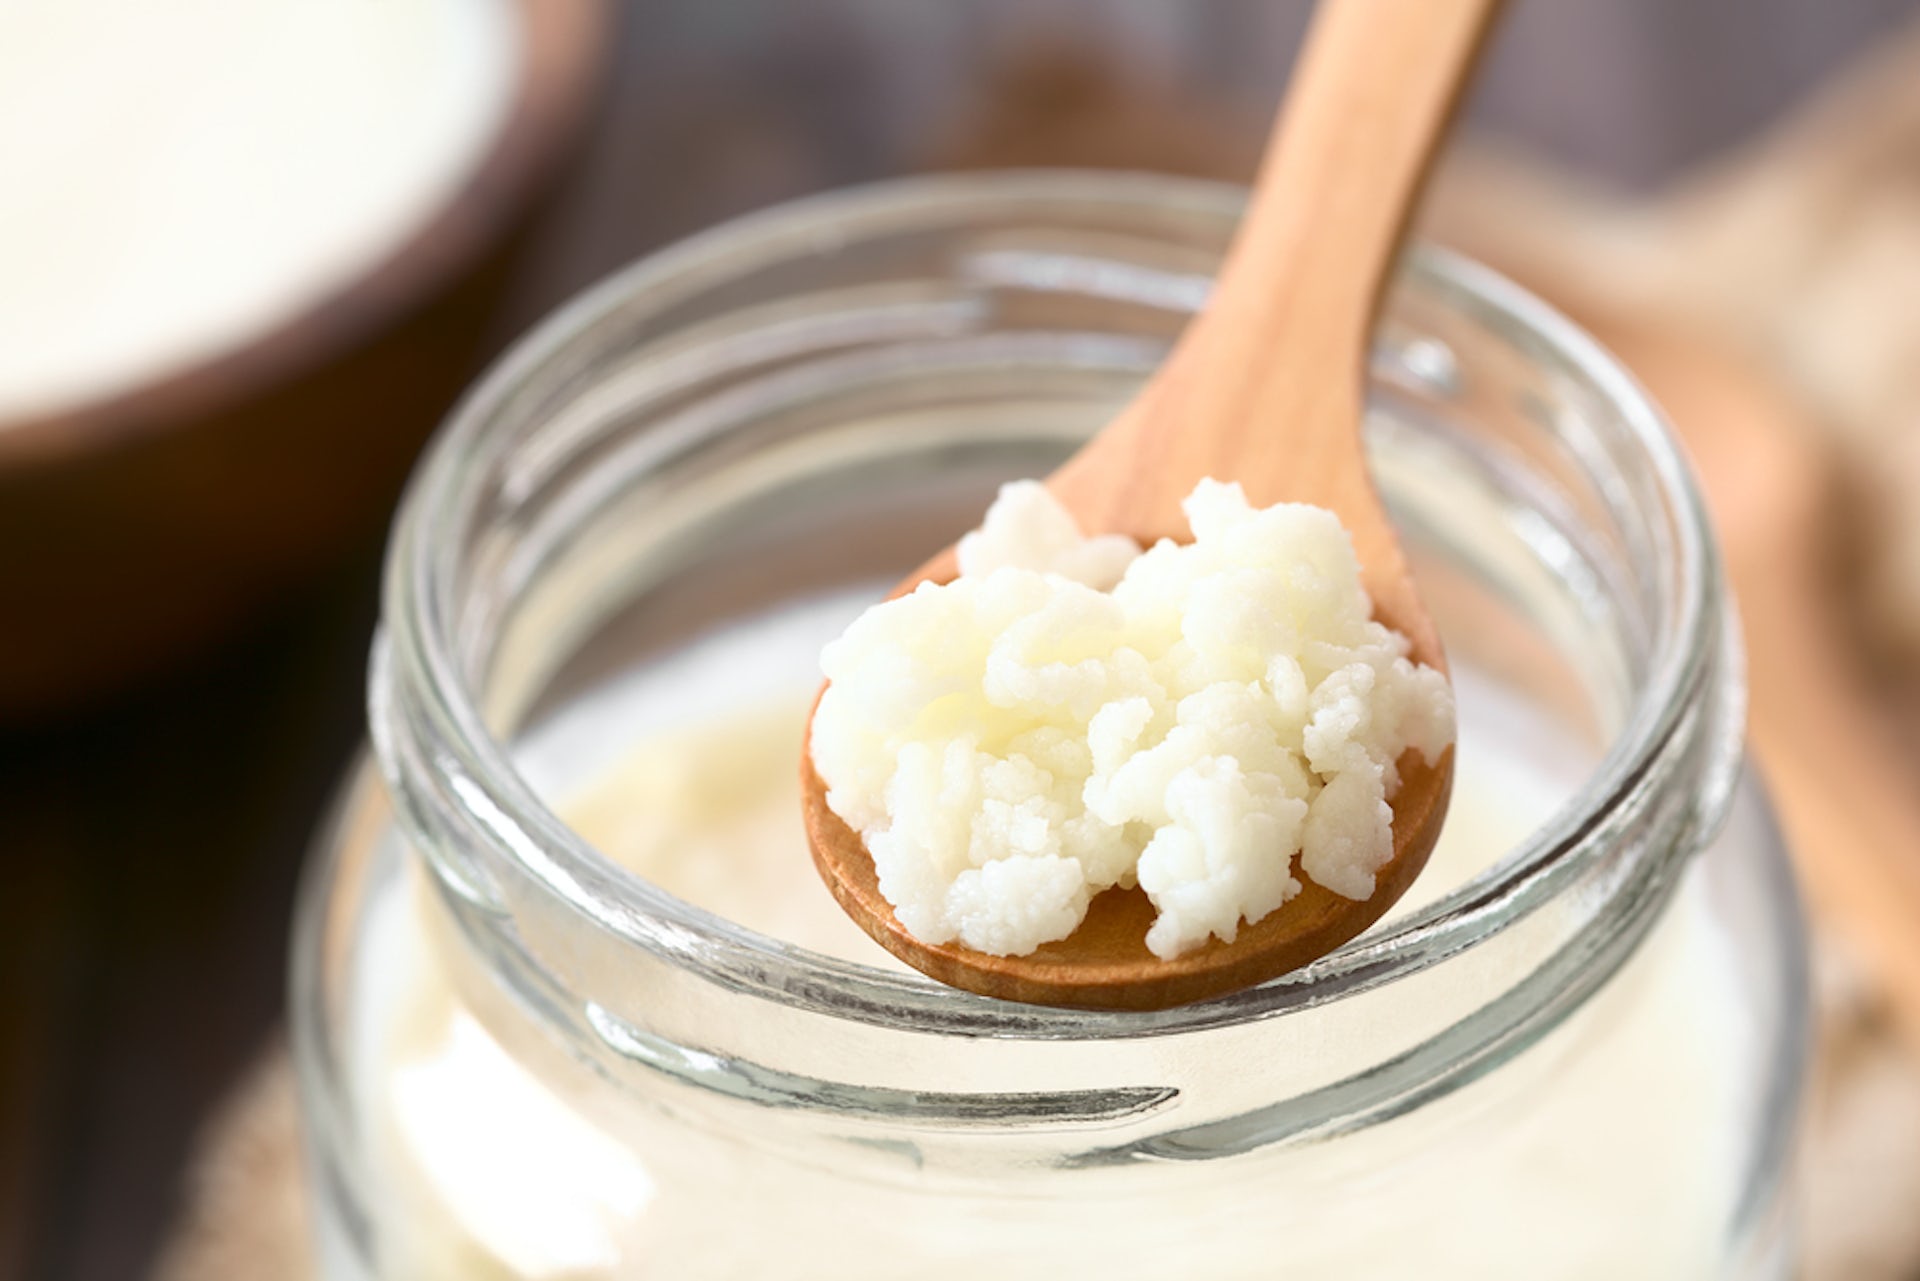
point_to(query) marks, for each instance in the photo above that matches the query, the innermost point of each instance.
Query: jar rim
(417, 660)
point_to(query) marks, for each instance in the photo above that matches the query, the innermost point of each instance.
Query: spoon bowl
(1104, 964)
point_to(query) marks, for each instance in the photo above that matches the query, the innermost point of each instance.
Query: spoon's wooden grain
(1265, 388)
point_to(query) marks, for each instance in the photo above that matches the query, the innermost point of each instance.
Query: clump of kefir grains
(1209, 720)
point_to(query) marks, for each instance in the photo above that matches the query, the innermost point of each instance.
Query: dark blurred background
(153, 815)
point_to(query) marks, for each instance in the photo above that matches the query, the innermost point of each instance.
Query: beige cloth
(1802, 252)
(1859, 1165)
(245, 1216)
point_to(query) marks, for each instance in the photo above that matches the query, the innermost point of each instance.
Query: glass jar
(1576, 1051)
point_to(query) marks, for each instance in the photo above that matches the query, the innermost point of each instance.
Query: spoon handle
(1267, 385)
(1372, 92)
(1374, 89)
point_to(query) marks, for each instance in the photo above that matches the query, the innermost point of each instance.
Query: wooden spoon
(1266, 388)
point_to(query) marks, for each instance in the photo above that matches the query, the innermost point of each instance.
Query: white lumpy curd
(1071, 714)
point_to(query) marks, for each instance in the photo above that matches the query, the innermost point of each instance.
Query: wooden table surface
(149, 849)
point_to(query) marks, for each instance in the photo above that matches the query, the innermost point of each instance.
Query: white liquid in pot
(179, 177)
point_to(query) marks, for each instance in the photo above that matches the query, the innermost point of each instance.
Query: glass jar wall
(569, 1002)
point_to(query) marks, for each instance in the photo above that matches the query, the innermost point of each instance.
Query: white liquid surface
(685, 771)
(180, 176)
